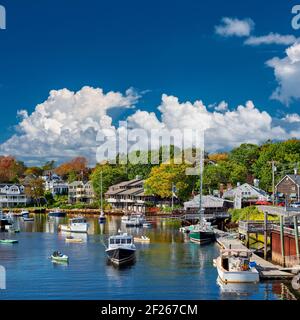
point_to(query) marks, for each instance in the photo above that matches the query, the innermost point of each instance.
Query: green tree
(161, 178)
(111, 174)
(35, 190)
(246, 155)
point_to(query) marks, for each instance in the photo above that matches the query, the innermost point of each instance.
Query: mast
(101, 191)
(201, 182)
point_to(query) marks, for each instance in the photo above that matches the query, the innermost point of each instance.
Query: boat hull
(8, 241)
(60, 259)
(57, 214)
(202, 237)
(251, 276)
(81, 228)
(121, 256)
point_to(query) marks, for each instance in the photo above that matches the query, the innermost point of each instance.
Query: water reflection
(169, 267)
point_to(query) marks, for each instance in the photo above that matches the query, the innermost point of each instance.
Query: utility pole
(273, 180)
(172, 197)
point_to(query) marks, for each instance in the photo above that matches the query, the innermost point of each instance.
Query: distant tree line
(242, 164)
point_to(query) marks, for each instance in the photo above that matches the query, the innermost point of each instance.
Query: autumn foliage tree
(10, 169)
(74, 169)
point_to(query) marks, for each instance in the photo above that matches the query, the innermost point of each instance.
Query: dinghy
(142, 239)
(8, 241)
(59, 257)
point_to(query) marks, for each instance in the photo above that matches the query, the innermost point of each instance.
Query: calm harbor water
(169, 267)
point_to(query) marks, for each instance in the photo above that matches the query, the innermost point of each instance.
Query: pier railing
(257, 226)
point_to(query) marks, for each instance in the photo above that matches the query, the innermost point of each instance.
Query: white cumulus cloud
(292, 118)
(271, 38)
(67, 123)
(234, 27)
(287, 74)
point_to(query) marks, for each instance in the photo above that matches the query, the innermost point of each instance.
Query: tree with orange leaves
(74, 169)
(10, 169)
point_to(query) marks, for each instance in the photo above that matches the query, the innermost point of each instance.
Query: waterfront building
(218, 207)
(12, 195)
(128, 195)
(247, 192)
(289, 188)
(57, 187)
(79, 191)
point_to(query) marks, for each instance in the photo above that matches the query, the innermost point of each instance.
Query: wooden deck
(266, 269)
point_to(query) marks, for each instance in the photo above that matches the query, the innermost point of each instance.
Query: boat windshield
(120, 241)
(78, 220)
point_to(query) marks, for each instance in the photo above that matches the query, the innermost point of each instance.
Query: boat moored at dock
(234, 266)
(202, 233)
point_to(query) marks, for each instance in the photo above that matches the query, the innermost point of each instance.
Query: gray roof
(295, 177)
(207, 202)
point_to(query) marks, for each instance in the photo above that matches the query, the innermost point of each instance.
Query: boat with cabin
(121, 249)
(78, 224)
(235, 266)
(57, 213)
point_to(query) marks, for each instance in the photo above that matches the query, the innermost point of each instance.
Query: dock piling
(296, 237)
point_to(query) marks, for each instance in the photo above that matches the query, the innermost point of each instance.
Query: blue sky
(156, 47)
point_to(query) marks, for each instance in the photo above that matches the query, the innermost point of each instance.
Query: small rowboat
(142, 239)
(8, 241)
(59, 257)
(73, 240)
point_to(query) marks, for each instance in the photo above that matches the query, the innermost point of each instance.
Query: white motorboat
(234, 266)
(75, 225)
(134, 220)
(121, 249)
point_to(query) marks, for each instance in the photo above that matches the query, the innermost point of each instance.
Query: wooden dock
(266, 269)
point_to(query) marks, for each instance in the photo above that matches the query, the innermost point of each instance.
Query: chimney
(238, 184)
(295, 171)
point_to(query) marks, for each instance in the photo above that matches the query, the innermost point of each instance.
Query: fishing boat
(71, 239)
(59, 257)
(75, 225)
(142, 239)
(202, 233)
(8, 241)
(121, 249)
(234, 266)
(57, 213)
